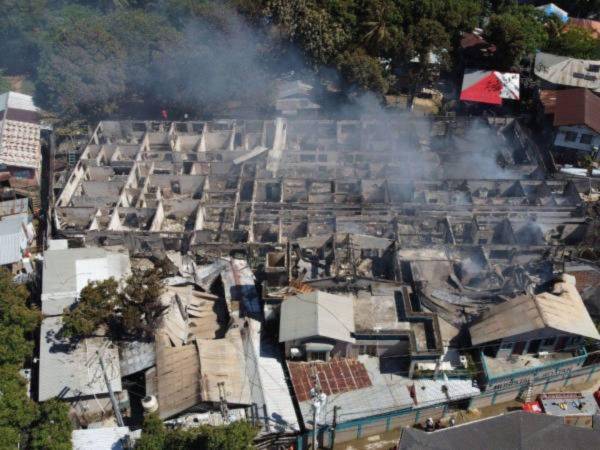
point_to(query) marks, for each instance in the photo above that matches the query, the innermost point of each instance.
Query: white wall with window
(578, 137)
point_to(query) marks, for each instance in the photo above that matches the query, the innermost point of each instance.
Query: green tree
(382, 27)
(311, 27)
(52, 429)
(17, 321)
(82, 66)
(19, 30)
(139, 304)
(144, 37)
(515, 33)
(154, 434)
(235, 436)
(130, 311)
(96, 306)
(363, 71)
(4, 83)
(576, 43)
(17, 411)
(429, 44)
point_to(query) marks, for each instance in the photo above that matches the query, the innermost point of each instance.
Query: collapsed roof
(562, 310)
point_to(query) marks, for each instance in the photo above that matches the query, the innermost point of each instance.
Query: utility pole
(318, 400)
(334, 424)
(111, 394)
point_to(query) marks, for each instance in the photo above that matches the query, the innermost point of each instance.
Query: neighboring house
(67, 271)
(475, 50)
(577, 119)
(558, 71)
(517, 429)
(592, 26)
(295, 98)
(379, 322)
(72, 370)
(20, 147)
(526, 333)
(489, 86)
(316, 324)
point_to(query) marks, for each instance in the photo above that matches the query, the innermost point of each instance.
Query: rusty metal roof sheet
(577, 107)
(335, 376)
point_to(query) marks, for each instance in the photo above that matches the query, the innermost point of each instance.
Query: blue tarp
(551, 9)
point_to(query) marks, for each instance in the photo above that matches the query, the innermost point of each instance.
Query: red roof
(593, 26)
(489, 86)
(471, 40)
(577, 107)
(335, 376)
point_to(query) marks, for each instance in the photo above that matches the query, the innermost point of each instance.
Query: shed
(317, 314)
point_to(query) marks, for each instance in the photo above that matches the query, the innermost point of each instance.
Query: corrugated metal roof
(17, 100)
(221, 361)
(361, 403)
(517, 429)
(72, 370)
(317, 314)
(136, 356)
(335, 376)
(178, 378)
(429, 392)
(14, 206)
(567, 71)
(263, 356)
(66, 272)
(563, 311)
(577, 107)
(13, 241)
(110, 438)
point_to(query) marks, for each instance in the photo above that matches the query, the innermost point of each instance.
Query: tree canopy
(22, 423)
(235, 436)
(97, 59)
(130, 311)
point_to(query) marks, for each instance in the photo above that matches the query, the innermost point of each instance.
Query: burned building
(276, 181)
(371, 245)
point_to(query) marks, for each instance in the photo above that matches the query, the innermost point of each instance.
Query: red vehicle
(597, 397)
(532, 407)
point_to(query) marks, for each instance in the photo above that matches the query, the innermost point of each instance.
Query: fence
(368, 426)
